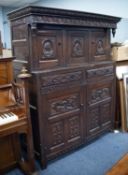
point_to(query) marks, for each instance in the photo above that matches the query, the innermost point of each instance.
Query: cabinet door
(63, 120)
(100, 45)
(77, 46)
(47, 49)
(100, 107)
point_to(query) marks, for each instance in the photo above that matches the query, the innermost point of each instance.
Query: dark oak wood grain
(72, 89)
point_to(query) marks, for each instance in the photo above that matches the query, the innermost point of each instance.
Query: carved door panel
(100, 104)
(93, 120)
(64, 120)
(106, 114)
(77, 46)
(100, 45)
(47, 49)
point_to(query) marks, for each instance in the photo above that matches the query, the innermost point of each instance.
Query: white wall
(109, 7)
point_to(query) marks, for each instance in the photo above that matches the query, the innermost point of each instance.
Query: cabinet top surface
(68, 15)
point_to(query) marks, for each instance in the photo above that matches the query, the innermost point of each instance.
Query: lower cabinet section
(99, 119)
(72, 107)
(64, 120)
(100, 108)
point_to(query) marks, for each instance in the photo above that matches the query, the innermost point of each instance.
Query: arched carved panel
(57, 133)
(93, 119)
(106, 113)
(77, 47)
(48, 48)
(100, 47)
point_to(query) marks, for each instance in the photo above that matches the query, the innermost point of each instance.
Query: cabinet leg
(43, 163)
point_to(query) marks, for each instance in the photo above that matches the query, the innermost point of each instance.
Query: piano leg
(27, 165)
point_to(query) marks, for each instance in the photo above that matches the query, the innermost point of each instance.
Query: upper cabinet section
(49, 38)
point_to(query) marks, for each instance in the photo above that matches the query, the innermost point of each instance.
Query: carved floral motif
(99, 94)
(56, 16)
(64, 105)
(62, 78)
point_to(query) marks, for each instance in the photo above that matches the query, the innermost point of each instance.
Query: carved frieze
(57, 82)
(53, 88)
(104, 71)
(61, 78)
(64, 105)
(64, 17)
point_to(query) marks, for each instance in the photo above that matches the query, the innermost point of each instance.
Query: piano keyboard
(8, 118)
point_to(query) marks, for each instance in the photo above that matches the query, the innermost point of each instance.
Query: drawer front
(60, 81)
(100, 72)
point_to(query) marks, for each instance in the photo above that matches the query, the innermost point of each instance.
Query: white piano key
(7, 118)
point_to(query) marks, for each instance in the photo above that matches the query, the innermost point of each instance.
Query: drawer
(60, 80)
(101, 72)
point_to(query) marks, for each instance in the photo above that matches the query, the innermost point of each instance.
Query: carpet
(93, 159)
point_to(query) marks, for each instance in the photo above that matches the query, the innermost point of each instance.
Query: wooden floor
(120, 168)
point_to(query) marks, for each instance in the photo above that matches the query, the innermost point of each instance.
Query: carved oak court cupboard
(72, 89)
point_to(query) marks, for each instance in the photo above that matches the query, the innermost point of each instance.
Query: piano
(8, 117)
(15, 121)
